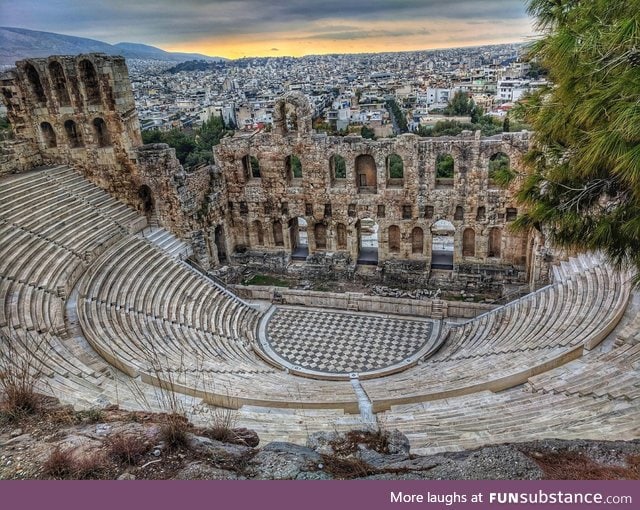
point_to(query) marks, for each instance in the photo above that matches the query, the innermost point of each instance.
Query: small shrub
(173, 431)
(126, 449)
(577, 466)
(222, 425)
(60, 464)
(20, 370)
(88, 416)
(90, 467)
(376, 440)
(346, 468)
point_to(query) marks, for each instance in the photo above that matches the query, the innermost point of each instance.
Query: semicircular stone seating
(525, 370)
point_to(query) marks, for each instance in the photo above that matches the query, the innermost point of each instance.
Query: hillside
(19, 43)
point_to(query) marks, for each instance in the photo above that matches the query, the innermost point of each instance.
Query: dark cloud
(170, 22)
(345, 35)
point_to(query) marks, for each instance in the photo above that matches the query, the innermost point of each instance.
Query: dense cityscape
(347, 92)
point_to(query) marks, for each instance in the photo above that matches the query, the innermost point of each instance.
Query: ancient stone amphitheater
(114, 310)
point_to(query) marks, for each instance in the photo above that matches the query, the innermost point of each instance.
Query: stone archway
(146, 200)
(298, 238)
(368, 231)
(442, 246)
(221, 244)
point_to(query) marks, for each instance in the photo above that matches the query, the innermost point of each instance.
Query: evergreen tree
(583, 185)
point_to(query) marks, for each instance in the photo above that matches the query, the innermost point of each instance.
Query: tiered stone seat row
(506, 346)
(48, 238)
(615, 375)
(154, 316)
(62, 373)
(470, 421)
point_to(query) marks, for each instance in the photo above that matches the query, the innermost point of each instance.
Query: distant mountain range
(19, 43)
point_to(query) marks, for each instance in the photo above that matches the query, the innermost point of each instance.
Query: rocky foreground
(61, 443)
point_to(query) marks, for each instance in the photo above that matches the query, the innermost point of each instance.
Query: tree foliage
(367, 132)
(583, 185)
(486, 124)
(398, 114)
(460, 104)
(192, 148)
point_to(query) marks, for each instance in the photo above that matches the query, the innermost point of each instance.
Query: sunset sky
(238, 28)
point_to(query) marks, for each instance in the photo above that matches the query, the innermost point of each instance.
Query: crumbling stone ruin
(115, 313)
(332, 204)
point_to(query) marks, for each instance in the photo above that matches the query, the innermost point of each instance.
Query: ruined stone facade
(290, 194)
(80, 111)
(342, 184)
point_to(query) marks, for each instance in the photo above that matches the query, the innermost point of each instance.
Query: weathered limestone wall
(265, 207)
(364, 303)
(77, 111)
(80, 111)
(17, 156)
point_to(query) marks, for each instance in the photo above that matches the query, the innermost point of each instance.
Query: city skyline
(243, 28)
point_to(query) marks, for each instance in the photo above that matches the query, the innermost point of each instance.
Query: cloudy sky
(237, 28)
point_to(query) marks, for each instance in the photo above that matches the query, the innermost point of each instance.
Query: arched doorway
(442, 232)
(495, 243)
(367, 242)
(221, 244)
(417, 241)
(298, 238)
(146, 199)
(366, 174)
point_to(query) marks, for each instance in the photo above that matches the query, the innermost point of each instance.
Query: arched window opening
(469, 243)
(101, 132)
(251, 167)
(290, 116)
(293, 167)
(417, 241)
(89, 78)
(338, 167)
(254, 164)
(445, 166)
(495, 242)
(48, 135)
(73, 135)
(459, 214)
(394, 239)
(59, 83)
(499, 165)
(341, 231)
(320, 235)
(366, 174)
(481, 215)
(36, 85)
(395, 171)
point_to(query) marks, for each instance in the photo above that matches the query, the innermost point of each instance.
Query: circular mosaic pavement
(343, 343)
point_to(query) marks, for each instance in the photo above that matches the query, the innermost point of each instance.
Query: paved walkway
(341, 342)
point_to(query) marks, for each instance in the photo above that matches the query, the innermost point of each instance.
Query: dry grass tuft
(174, 431)
(346, 468)
(577, 466)
(126, 449)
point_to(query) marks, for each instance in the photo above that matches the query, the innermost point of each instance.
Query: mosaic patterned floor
(338, 342)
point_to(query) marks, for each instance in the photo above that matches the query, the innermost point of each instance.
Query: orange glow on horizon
(418, 37)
